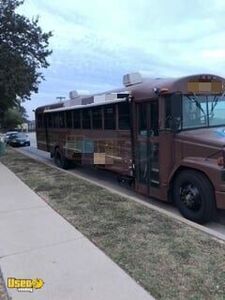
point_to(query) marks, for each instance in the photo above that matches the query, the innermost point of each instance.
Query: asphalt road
(109, 180)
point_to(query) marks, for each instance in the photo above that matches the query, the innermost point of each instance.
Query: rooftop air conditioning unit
(132, 78)
(73, 94)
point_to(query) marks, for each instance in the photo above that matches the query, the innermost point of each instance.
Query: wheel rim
(190, 196)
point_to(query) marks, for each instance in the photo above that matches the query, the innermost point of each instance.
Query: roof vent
(132, 78)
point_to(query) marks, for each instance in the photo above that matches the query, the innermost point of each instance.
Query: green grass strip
(168, 258)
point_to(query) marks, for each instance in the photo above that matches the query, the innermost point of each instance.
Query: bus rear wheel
(60, 160)
(194, 196)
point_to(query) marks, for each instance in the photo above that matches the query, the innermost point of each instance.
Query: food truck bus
(164, 136)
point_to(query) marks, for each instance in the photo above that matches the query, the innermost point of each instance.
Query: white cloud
(217, 54)
(96, 42)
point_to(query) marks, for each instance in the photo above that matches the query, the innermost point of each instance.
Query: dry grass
(168, 258)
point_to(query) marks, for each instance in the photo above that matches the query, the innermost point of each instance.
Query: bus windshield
(203, 111)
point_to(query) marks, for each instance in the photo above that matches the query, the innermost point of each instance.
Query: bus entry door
(147, 148)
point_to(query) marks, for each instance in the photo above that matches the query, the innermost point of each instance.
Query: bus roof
(150, 88)
(48, 110)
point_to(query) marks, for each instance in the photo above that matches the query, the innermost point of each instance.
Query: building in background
(31, 125)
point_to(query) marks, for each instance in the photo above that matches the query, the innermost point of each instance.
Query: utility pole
(60, 98)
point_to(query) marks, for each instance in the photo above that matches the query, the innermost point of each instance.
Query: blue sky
(96, 42)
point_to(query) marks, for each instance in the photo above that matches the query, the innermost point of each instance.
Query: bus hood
(209, 136)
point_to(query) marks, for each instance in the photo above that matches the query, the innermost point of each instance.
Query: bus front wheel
(60, 160)
(194, 196)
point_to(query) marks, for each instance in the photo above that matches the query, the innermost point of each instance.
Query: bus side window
(97, 118)
(76, 119)
(61, 120)
(39, 121)
(55, 120)
(123, 116)
(86, 119)
(109, 117)
(49, 120)
(69, 119)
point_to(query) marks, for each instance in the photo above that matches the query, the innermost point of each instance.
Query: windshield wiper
(213, 105)
(196, 103)
(215, 102)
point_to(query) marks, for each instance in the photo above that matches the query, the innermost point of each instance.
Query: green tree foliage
(12, 118)
(23, 113)
(23, 54)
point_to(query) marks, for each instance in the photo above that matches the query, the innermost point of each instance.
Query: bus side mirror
(176, 124)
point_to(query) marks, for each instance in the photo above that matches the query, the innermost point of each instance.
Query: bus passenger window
(49, 120)
(109, 117)
(61, 120)
(97, 118)
(124, 117)
(76, 119)
(69, 119)
(39, 121)
(86, 119)
(55, 120)
(142, 119)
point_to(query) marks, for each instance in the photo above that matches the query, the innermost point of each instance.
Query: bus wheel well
(177, 172)
(56, 148)
(60, 160)
(53, 151)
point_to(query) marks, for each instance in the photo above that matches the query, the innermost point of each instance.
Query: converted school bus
(166, 136)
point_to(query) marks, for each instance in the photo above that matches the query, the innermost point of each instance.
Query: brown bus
(165, 136)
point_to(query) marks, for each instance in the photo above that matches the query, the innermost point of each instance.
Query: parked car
(9, 136)
(20, 139)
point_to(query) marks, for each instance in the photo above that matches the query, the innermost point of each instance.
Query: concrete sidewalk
(36, 242)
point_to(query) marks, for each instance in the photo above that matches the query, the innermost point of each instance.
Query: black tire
(194, 196)
(60, 160)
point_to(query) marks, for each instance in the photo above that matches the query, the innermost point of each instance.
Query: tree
(12, 118)
(23, 53)
(23, 113)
